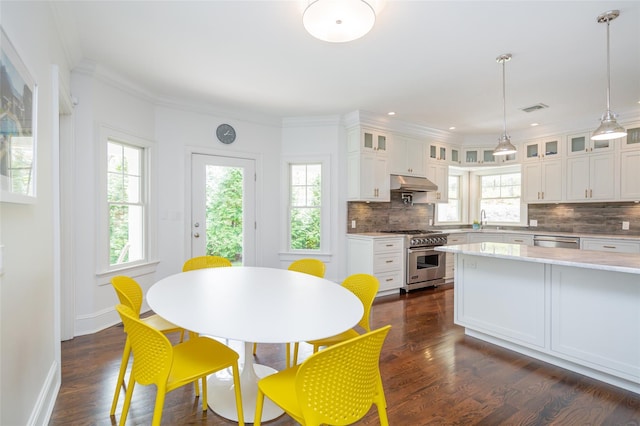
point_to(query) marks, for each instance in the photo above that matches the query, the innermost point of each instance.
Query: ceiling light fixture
(609, 127)
(338, 21)
(505, 147)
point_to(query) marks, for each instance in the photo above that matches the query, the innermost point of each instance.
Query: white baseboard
(41, 413)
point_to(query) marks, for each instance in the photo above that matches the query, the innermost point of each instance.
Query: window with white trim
(451, 211)
(307, 207)
(500, 197)
(125, 215)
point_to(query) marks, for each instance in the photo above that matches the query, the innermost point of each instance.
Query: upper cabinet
(483, 156)
(438, 173)
(407, 157)
(540, 149)
(367, 165)
(632, 140)
(581, 144)
(591, 177)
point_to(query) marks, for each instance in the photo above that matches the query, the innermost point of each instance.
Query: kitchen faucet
(483, 218)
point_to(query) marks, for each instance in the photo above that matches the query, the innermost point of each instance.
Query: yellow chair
(202, 262)
(365, 287)
(309, 266)
(130, 294)
(335, 386)
(155, 361)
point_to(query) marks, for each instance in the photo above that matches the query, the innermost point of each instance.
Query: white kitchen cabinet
(455, 157)
(630, 175)
(363, 139)
(452, 240)
(382, 257)
(485, 237)
(542, 181)
(542, 149)
(632, 140)
(438, 173)
(368, 178)
(483, 156)
(524, 239)
(591, 177)
(407, 157)
(367, 168)
(610, 245)
(581, 144)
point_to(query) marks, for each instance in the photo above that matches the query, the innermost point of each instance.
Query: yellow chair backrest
(365, 287)
(308, 266)
(152, 351)
(129, 292)
(202, 262)
(339, 384)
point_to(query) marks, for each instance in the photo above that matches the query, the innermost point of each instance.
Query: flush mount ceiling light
(505, 147)
(609, 127)
(339, 21)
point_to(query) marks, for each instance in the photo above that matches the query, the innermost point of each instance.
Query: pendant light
(609, 127)
(505, 147)
(339, 21)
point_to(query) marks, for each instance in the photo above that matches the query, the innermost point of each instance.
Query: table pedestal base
(221, 392)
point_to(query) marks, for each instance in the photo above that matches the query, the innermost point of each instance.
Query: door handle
(196, 235)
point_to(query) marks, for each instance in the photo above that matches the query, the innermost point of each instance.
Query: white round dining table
(253, 304)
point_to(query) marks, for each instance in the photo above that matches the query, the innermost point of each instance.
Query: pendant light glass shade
(505, 147)
(609, 127)
(338, 21)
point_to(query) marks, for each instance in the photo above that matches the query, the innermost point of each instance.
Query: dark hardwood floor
(433, 375)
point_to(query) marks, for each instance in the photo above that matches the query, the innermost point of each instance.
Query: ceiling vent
(534, 107)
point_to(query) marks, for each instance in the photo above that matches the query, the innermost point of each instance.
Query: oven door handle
(420, 250)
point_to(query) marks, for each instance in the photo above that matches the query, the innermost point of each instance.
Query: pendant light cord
(608, 71)
(504, 98)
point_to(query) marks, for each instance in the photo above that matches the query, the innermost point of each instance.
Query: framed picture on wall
(18, 107)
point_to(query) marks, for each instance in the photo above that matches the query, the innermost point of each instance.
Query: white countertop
(618, 262)
(526, 231)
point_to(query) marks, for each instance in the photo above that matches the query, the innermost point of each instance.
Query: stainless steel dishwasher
(557, 242)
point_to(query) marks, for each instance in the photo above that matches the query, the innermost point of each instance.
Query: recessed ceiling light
(391, 113)
(534, 124)
(452, 128)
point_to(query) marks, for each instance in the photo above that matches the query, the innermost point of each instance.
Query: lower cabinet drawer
(390, 280)
(614, 246)
(387, 262)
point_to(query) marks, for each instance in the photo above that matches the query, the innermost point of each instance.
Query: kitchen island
(578, 309)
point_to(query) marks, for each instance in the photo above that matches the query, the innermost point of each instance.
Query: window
(126, 222)
(305, 206)
(126, 203)
(452, 210)
(500, 197)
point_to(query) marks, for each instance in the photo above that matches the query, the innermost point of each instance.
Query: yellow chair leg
(296, 345)
(157, 411)
(127, 401)
(255, 349)
(204, 392)
(259, 404)
(120, 383)
(236, 385)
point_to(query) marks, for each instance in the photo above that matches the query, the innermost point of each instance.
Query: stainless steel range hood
(411, 184)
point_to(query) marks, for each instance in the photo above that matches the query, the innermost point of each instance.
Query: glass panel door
(223, 208)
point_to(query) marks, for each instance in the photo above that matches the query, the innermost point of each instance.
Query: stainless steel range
(425, 267)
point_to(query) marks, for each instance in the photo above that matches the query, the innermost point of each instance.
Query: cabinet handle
(585, 193)
(542, 195)
(611, 247)
(389, 261)
(389, 279)
(389, 245)
(518, 241)
(591, 193)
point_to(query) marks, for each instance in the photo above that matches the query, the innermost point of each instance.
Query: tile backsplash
(589, 218)
(394, 215)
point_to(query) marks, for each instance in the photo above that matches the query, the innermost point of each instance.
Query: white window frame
(464, 197)
(475, 189)
(325, 209)
(149, 259)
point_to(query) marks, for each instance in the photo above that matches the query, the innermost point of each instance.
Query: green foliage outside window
(305, 206)
(224, 212)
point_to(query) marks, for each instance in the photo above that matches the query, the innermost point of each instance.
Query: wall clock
(226, 133)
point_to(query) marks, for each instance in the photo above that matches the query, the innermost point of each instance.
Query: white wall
(29, 366)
